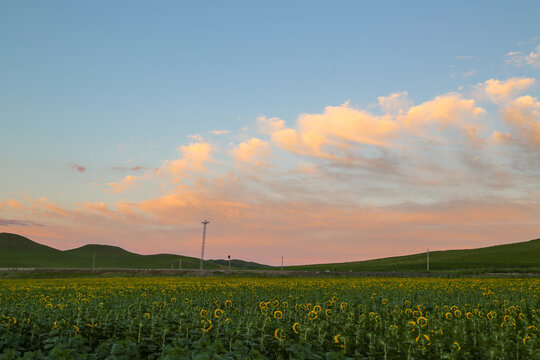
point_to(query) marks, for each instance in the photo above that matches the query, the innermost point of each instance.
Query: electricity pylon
(203, 238)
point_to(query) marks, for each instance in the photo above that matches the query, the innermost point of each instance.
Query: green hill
(18, 251)
(242, 265)
(510, 257)
(115, 257)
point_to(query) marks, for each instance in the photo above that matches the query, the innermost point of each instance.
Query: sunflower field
(270, 318)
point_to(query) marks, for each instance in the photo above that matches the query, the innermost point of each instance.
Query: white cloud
(519, 59)
(469, 73)
(395, 103)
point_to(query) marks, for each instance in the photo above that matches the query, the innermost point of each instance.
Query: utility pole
(205, 222)
(229, 262)
(281, 263)
(427, 260)
(94, 260)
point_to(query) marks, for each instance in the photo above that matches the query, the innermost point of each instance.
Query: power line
(205, 222)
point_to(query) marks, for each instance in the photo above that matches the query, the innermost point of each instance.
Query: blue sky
(109, 85)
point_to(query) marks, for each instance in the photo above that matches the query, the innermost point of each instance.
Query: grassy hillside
(518, 256)
(116, 257)
(18, 251)
(242, 265)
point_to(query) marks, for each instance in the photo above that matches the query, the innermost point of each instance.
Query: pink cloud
(326, 135)
(122, 185)
(336, 133)
(133, 168)
(221, 132)
(523, 114)
(347, 184)
(253, 151)
(78, 168)
(442, 110)
(192, 159)
(502, 137)
(10, 203)
(504, 90)
(303, 232)
(13, 222)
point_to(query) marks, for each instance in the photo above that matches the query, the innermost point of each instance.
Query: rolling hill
(18, 251)
(510, 257)
(242, 265)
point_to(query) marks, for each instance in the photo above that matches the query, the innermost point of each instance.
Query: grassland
(518, 257)
(18, 251)
(242, 265)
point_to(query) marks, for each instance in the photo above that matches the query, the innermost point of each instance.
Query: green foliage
(273, 318)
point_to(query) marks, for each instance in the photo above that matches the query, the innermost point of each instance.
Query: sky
(321, 131)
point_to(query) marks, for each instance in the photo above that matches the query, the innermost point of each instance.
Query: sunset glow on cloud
(440, 167)
(402, 173)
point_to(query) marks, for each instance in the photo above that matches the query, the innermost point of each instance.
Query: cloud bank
(347, 183)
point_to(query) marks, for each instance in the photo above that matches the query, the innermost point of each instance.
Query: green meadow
(18, 251)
